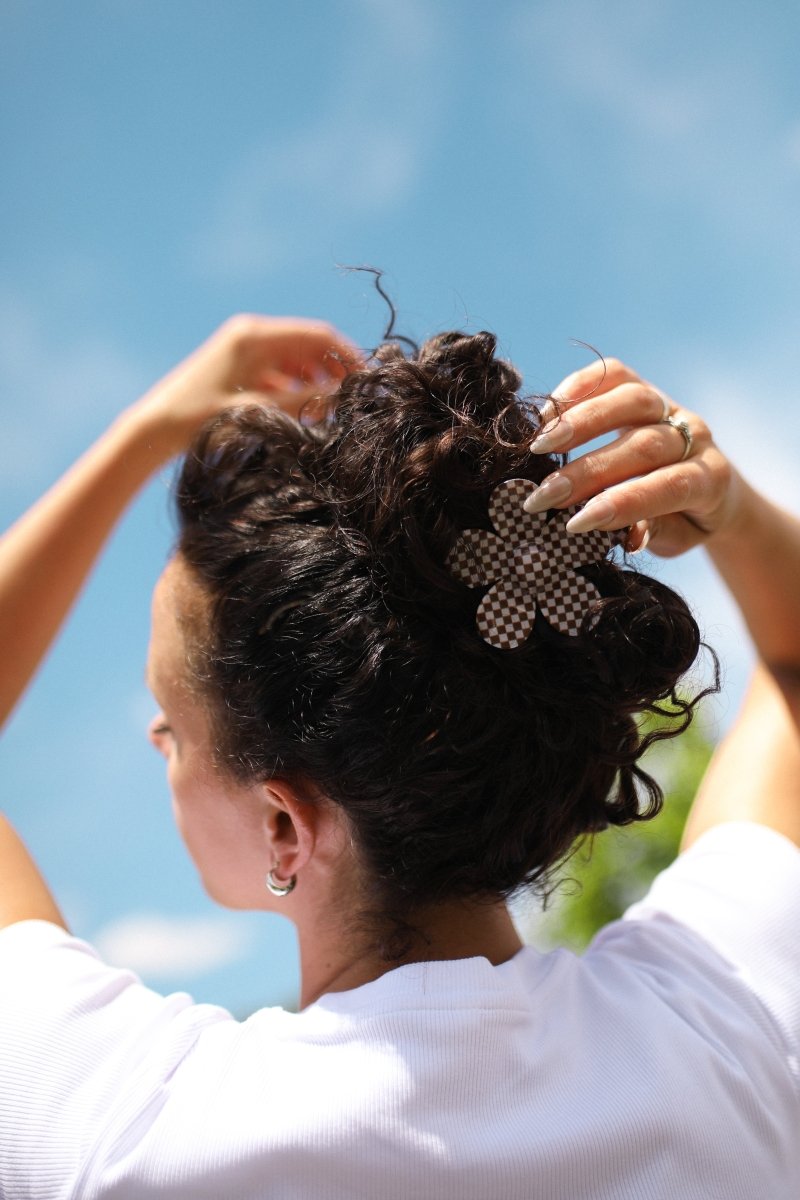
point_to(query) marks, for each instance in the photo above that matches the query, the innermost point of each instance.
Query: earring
(279, 889)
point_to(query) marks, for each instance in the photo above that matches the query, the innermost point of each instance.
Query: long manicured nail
(554, 436)
(547, 412)
(555, 490)
(643, 544)
(594, 514)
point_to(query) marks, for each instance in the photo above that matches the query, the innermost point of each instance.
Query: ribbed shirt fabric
(660, 1065)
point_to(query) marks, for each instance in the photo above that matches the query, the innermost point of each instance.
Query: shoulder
(724, 918)
(81, 1041)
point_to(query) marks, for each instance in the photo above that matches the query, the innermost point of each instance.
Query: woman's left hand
(662, 476)
(46, 555)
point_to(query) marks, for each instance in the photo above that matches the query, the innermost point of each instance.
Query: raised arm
(755, 772)
(757, 553)
(642, 479)
(46, 556)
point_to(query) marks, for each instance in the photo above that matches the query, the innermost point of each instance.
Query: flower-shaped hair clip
(531, 563)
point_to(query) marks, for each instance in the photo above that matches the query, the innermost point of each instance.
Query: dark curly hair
(341, 653)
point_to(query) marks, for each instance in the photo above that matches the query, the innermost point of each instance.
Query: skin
(234, 833)
(680, 504)
(46, 556)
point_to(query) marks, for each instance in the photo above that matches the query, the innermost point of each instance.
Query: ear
(291, 827)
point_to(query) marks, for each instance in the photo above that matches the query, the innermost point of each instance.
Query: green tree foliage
(615, 869)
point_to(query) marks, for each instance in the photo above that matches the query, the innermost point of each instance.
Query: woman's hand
(45, 557)
(673, 489)
(282, 361)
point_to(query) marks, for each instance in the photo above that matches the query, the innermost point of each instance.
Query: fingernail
(547, 412)
(555, 489)
(554, 436)
(643, 544)
(597, 512)
(568, 383)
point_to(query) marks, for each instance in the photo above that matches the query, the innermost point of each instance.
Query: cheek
(182, 789)
(223, 837)
(199, 809)
(184, 803)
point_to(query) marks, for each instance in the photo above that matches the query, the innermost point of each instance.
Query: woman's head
(335, 649)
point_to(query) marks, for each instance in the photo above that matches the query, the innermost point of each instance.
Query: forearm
(755, 772)
(757, 553)
(46, 556)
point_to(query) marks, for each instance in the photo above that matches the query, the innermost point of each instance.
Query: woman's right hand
(644, 480)
(282, 361)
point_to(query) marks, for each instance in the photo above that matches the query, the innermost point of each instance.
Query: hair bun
(342, 653)
(417, 444)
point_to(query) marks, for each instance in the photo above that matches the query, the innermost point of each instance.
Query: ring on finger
(685, 432)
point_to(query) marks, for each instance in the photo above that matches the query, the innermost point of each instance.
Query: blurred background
(626, 174)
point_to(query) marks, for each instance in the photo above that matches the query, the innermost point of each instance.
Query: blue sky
(624, 173)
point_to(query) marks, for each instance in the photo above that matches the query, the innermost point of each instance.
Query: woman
(395, 686)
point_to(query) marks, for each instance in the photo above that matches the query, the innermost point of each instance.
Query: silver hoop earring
(279, 889)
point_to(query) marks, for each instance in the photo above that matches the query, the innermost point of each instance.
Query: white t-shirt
(660, 1065)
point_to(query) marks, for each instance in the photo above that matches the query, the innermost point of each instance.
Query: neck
(335, 961)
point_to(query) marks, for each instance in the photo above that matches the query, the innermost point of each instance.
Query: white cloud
(597, 53)
(341, 167)
(361, 156)
(682, 125)
(157, 946)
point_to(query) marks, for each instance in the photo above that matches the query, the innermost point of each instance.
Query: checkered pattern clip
(530, 562)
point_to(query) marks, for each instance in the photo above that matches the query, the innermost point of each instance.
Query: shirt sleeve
(83, 1046)
(738, 888)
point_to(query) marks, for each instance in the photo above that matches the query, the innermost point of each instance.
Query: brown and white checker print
(505, 614)
(529, 562)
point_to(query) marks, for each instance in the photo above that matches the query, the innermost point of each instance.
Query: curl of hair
(340, 652)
